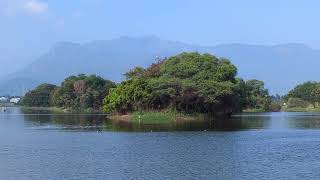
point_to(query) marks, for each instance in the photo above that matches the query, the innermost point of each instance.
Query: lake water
(250, 146)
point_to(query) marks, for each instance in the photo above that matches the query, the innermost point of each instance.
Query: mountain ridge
(112, 58)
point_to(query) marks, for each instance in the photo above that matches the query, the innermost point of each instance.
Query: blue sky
(30, 27)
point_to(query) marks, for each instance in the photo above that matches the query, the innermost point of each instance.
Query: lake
(249, 146)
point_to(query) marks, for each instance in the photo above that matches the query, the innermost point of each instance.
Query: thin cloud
(34, 6)
(14, 7)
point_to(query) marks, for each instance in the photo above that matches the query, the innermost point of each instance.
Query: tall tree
(40, 97)
(189, 82)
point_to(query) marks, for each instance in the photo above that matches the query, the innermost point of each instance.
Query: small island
(304, 97)
(188, 86)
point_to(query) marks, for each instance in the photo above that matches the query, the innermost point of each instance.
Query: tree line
(76, 93)
(188, 83)
(304, 95)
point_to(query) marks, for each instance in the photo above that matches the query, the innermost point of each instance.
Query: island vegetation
(76, 94)
(184, 86)
(304, 97)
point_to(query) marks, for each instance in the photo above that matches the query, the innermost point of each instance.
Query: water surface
(250, 146)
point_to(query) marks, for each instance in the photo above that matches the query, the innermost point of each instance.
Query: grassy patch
(157, 117)
(300, 109)
(58, 110)
(153, 117)
(33, 110)
(253, 110)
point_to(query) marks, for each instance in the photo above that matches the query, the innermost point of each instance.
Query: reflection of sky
(278, 121)
(10, 119)
(261, 154)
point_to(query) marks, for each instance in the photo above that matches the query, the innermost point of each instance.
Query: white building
(15, 100)
(4, 99)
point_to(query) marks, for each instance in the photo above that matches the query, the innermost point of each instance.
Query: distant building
(15, 100)
(4, 99)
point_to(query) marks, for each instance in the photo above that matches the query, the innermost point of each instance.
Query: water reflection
(103, 123)
(65, 121)
(43, 120)
(80, 122)
(33, 145)
(303, 120)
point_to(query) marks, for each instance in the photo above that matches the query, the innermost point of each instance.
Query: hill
(281, 66)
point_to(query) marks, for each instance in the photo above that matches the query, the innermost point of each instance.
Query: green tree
(308, 91)
(40, 97)
(189, 82)
(257, 96)
(297, 103)
(78, 93)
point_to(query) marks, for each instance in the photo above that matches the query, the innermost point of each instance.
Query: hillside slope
(280, 66)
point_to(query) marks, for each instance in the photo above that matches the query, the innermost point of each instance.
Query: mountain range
(281, 67)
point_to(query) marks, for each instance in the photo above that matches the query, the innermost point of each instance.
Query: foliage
(255, 96)
(189, 82)
(308, 91)
(275, 106)
(77, 93)
(40, 97)
(297, 103)
(131, 95)
(256, 93)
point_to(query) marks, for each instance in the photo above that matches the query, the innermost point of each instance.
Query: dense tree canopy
(79, 93)
(257, 96)
(40, 97)
(189, 82)
(308, 92)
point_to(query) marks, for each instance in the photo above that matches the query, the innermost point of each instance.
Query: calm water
(250, 146)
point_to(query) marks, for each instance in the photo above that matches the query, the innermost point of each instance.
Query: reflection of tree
(201, 124)
(254, 121)
(304, 121)
(100, 122)
(67, 121)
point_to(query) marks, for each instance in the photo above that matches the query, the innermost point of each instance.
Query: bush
(275, 107)
(297, 102)
(188, 83)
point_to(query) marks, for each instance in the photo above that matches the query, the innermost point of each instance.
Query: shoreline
(51, 109)
(160, 117)
(57, 110)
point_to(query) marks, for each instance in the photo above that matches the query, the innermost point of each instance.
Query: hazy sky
(30, 27)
